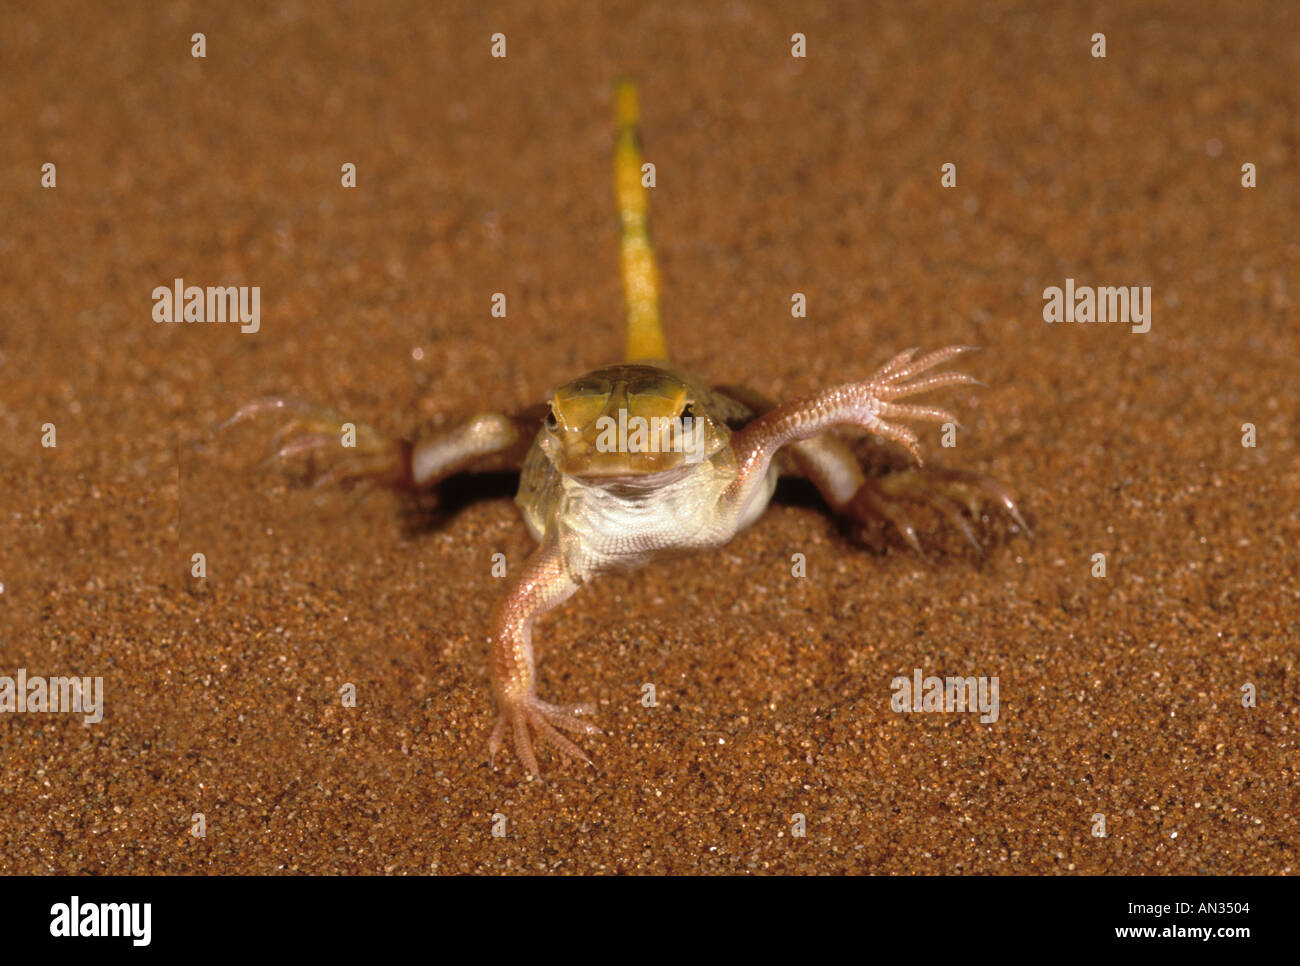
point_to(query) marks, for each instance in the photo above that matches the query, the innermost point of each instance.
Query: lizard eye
(551, 421)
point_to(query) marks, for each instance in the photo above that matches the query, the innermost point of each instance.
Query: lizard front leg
(869, 405)
(832, 466)
(545, 583)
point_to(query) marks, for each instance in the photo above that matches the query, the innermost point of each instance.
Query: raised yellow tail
(645, 334)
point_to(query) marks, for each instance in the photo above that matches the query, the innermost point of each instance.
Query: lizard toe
(531, 715)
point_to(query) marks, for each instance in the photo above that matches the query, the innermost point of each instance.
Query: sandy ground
(1119, 696)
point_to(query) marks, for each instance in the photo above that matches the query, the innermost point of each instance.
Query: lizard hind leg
(960, 497)
(353, 451)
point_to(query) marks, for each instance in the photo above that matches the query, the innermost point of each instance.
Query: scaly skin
(704, 469)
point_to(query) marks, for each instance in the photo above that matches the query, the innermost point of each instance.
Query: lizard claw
(950, 492)
(530, 712)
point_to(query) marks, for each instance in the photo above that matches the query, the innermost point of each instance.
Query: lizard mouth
(626, 481)
(582, 460)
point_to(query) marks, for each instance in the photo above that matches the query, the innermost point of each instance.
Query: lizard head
(629, 421)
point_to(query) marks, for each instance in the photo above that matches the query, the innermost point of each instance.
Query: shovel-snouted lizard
(643, 458)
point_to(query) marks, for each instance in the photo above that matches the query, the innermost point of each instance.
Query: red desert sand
(1125, 697)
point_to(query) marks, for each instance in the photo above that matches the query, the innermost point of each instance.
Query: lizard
(700, 463)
